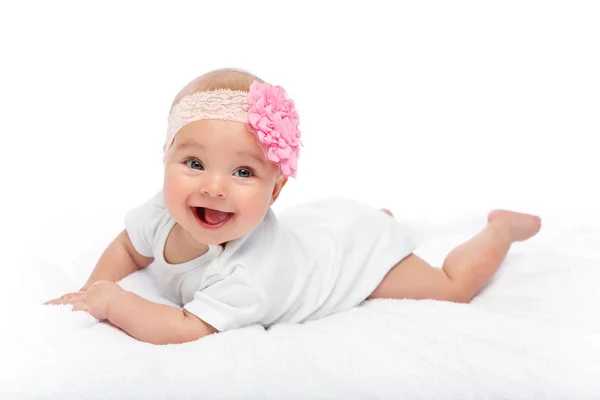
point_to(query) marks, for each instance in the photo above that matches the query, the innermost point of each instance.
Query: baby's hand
(69, 298)
(96, 299)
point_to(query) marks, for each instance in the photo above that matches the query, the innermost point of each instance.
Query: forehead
(228, 137)
(216, 133)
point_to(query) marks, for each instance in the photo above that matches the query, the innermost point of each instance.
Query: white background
(431, 109)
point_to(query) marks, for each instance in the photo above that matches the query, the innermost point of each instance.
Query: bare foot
(520, 226)
(388, 212)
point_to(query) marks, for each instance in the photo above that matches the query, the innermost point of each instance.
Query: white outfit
(308, 262)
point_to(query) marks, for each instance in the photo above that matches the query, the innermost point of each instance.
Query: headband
(266, 109)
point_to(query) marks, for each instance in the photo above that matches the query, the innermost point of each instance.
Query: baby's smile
(210, 218)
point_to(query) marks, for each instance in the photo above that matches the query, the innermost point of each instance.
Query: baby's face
(218, 184)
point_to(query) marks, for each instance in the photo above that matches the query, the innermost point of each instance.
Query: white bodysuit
(310, 261)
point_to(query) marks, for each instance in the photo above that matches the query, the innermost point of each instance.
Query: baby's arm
(231, 301)
(155, 323)
(119, 260)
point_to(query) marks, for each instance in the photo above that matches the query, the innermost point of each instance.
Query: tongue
(214, 217)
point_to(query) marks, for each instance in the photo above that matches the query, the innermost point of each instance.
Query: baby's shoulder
(145, 222)
(149, 210)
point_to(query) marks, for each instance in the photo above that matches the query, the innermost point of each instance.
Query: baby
(223, 255)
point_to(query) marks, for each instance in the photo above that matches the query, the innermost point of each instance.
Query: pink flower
(273, 117)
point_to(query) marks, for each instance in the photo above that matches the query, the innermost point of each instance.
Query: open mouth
(211, 218)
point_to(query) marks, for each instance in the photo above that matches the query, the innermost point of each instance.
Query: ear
(279, 184)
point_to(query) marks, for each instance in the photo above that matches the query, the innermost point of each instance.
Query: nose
(213, 186)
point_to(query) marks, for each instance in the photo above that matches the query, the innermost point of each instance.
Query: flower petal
(275, 121)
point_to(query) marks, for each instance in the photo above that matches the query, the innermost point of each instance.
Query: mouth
(210, 218)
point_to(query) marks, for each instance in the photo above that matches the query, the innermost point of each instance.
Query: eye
(194, 164)
(243, 173)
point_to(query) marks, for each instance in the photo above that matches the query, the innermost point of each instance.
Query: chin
(213, 240)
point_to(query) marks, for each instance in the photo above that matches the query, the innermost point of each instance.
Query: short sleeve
(143, 222)
(230, 303)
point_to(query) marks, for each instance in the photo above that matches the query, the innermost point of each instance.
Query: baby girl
(223, 255)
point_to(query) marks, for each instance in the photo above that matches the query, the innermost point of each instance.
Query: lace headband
(267, 110)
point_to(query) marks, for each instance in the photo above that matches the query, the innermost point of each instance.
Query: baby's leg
(466, 269)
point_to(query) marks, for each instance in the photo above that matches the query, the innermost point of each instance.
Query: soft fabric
(534, 333)
(306, 263)
(222, 104)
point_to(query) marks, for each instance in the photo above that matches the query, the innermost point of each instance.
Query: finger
(65, 299)
(59, 300)
(75, 299)
(68, 298)
(81, 306)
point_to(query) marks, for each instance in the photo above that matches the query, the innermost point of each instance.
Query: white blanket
(534, 332)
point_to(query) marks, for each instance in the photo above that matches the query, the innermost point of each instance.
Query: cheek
(175, 180)
(256, 202)
(173, 192)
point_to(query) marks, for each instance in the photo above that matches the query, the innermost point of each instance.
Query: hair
(226, 78)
